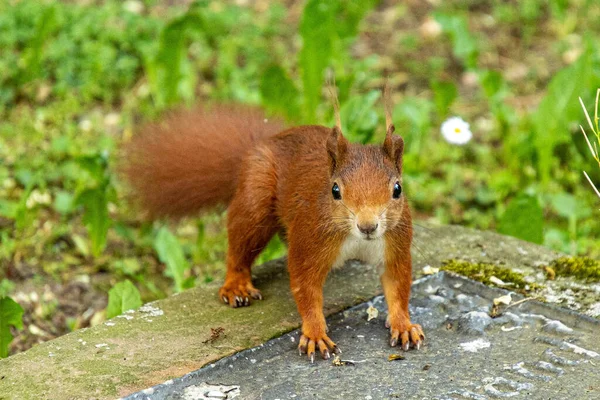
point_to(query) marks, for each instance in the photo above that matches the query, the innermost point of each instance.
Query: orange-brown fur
(190, 161)
(283, 184)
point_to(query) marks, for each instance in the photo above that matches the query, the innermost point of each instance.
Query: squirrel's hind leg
(250, 225)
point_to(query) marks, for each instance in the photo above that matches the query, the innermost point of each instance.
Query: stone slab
(532, 350)
(170, 337)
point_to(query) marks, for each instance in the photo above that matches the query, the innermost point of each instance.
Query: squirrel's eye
(335, 191)
(397, 190)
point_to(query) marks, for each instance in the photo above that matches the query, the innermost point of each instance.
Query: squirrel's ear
(337, 146)
(393, 147)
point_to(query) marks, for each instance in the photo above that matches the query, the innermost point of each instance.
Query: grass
(76, 79)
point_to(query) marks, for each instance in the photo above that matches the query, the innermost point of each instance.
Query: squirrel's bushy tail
(190, 161)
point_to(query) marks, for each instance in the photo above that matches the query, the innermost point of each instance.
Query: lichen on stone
(583, 268)
(482, 272)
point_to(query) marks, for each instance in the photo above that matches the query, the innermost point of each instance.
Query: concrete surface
(532, 350)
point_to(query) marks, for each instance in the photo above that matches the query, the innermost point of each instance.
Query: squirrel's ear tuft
(393, 147)
(337, 147)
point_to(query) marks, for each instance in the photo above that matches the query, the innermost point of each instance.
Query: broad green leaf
(11, 314)
(566, 205)
(359, 118)
(317, 29)
(170, 252)
(412, 118)
(279, 95)
(122, 297)
(95, 217)
(171, 76)
(324, 23)
(523, 219)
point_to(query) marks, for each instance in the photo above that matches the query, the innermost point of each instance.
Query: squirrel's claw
(325, 346)
(411, 336)
(239, 295)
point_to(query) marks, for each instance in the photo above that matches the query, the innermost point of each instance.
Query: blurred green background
(77, 77)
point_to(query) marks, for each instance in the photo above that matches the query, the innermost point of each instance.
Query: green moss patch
(482, 272)
(583, 268)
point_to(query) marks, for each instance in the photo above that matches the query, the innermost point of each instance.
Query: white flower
(456, 131)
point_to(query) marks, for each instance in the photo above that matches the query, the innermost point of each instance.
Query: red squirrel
(330, 199)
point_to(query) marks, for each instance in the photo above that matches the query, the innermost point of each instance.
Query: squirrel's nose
(367, 228)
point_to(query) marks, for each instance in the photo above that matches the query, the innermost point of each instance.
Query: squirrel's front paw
(406, 333)
(239, 294)
(325, 346)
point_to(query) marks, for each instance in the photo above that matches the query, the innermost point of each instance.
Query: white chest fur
(368, 251)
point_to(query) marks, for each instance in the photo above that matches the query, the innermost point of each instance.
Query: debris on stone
(550, 273)
(372, 313)
(429, 270)
(215, 333)
(506, 299)
(337, 362)
(395, 357)
(499, 282)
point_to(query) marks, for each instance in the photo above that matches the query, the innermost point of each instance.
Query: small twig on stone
(521, 301)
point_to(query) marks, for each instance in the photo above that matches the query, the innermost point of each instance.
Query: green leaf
(274, 249)
(122, 297)
(359, 118)
(170, 73)
(96, 165)
(279, 95)
(567, 206)
(493, 83)
(6, 287)
(95, 217)
(63, 202)
(444, 94)
(32, 54)
(11, 314)
(560, 107)
(523, 219)
(317, 29)
(412, 118)
(170, 252)
(464, 45)
(324, 23)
